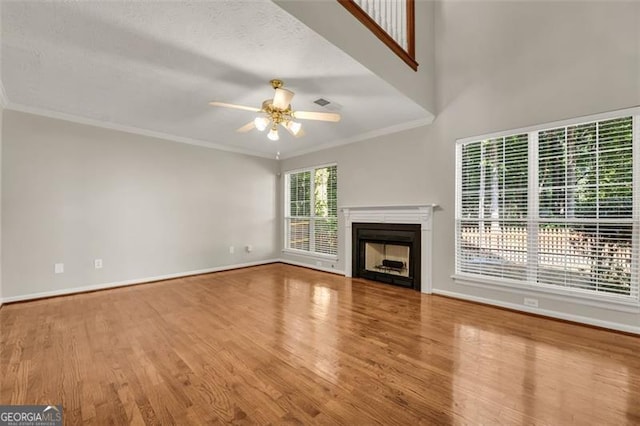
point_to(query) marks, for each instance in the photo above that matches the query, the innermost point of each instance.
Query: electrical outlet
(97, 263)
(232, 249)
(531, 302)
(58, 268)
(249, 248)
(318, 263)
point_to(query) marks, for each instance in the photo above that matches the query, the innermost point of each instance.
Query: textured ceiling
(154, 66)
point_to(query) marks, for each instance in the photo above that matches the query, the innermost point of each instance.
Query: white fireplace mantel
(415, 214)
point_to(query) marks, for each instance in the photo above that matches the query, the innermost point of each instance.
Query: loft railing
(392, 21)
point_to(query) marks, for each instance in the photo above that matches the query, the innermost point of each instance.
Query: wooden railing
(392, 21)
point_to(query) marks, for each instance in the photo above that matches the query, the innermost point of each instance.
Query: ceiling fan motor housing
(277, 115)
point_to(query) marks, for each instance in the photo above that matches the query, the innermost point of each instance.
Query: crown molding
(363, 136)
(132, 129)
(6, 104)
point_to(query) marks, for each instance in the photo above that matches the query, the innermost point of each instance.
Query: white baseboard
(105, 286)
(547, 313)
(307, 265)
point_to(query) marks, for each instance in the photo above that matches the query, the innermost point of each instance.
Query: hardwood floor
(282, 344)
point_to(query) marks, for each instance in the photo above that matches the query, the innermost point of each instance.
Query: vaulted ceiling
(154, 66)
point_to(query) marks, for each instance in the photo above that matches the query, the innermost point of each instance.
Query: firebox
(387, 252)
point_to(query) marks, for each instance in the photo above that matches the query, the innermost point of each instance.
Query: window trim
(312, 254)
(287, 215)
(520, 288)
(552, 124)
(576, 295)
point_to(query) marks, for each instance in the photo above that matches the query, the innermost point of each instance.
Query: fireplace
(387, 252)
(389, 231)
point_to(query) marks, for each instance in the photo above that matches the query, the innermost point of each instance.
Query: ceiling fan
(278, 111)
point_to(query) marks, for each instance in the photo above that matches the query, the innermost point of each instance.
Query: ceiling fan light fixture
(261, 123)
(273, 134)
(294, 126)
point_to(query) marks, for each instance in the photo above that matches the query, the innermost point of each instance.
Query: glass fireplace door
(387, 258)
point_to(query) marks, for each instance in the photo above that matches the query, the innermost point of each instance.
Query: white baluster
(403, 26)
(376, 11)
(396, 19)
(387, 20)
(383, 14)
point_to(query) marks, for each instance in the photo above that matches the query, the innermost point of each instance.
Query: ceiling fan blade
(249, 126)
(322, 116)
(242, 107)
(282, 98)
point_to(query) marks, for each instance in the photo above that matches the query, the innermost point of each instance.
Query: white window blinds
(552, 208)
(311, 210)
(492, 228)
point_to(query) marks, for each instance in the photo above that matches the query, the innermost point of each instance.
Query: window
(311, 210)
(556, 208)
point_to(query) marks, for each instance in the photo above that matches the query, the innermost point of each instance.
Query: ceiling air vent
(328, 105)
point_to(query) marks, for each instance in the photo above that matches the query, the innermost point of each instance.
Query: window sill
(319, 256)
(620, 304)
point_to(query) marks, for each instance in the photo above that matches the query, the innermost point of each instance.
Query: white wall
(500, 65)
(147, 207)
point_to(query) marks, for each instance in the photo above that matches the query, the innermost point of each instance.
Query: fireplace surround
(420, 216)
